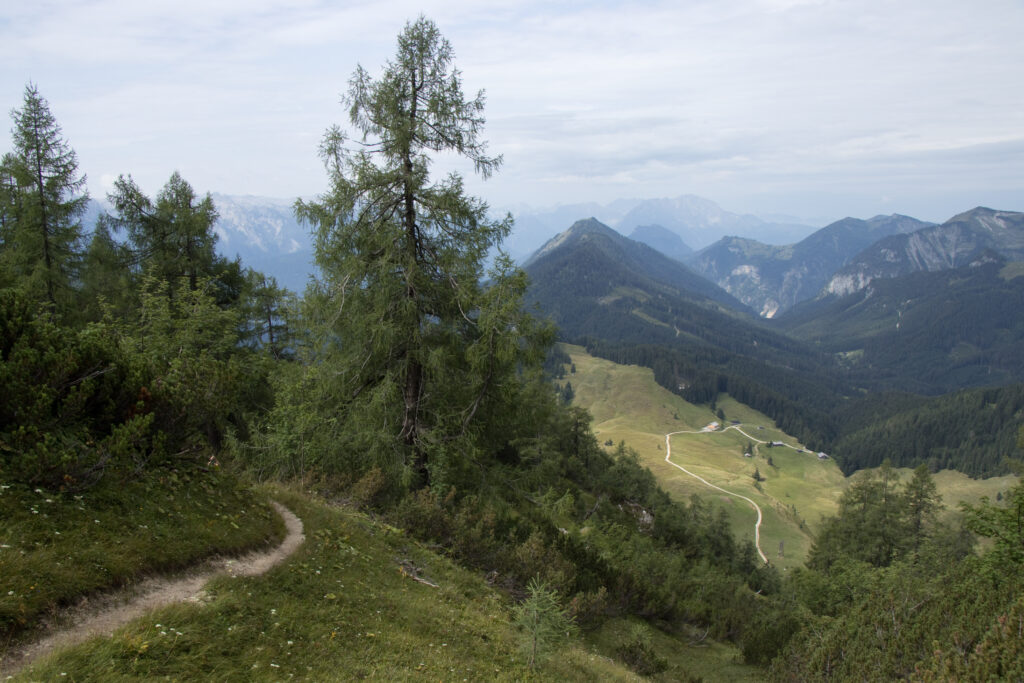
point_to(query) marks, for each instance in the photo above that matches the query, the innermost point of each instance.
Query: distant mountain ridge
(953, 244)
(771, 279)
(662, 239)
(695, 220)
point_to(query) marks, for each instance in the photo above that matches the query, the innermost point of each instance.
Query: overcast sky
(818, 109)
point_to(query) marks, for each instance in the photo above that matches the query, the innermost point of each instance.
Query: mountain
(263, 231)
(926, 332)
(696, 221)
(591, 260)
(533, 227)
(771, 279)
(700, 222)
(630, 304)
(662, 239)
(955, 243)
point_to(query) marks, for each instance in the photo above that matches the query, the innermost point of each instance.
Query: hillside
(957, 242)
(347, 606)
(925, 332)
(628, 405)
(771, 279)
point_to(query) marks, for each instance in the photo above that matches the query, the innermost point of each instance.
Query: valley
(798, 489)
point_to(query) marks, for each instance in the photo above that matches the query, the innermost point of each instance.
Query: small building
(822, 456)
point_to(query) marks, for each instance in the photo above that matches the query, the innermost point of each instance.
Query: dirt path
(101, 616)
(757, 508)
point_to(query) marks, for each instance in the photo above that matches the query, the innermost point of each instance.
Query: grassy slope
(56, 547)
(627, 405)
(340, 609)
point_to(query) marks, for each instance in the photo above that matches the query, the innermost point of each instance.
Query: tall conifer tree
(43, 201)
(418, 345)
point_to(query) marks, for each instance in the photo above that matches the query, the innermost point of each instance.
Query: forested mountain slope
(926, 332)
(629, 304)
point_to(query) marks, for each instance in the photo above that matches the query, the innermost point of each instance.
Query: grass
(56, 547)
(342, 609)
(687, 656)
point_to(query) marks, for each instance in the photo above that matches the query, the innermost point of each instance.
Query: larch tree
(418, 345)
(172, 237)
(43, 199)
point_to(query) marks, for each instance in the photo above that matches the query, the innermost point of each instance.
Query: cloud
(587, 100)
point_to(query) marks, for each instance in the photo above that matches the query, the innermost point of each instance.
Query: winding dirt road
(113, 610)
(757, 508)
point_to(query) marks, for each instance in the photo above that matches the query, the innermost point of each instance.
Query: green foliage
(878, 520)
(417, 355)
(638, 654)
(269, 312)
(971, 430)
(172, 238)
(543, 620)
(72, 405)
(200, 381)
(1004, 524)
(41, 200)
(931, 613)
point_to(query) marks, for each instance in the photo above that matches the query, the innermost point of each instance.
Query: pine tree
(418, 346)
(42, 199)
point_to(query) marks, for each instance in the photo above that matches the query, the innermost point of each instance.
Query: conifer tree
(173, 236)
(418, 346)
(41, 201)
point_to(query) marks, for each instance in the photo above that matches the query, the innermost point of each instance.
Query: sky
(815, 109)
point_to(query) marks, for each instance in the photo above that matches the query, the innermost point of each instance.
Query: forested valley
(149, 382)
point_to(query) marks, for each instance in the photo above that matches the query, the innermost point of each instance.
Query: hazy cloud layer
(820, 108)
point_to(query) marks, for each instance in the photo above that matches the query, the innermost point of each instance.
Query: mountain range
(771, 279)
(694, 221)
(955, 243)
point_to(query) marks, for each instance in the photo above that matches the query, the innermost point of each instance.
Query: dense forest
(411, 382)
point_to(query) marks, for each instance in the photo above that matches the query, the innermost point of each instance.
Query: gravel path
(103, 615)
(757, 508)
